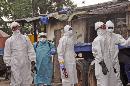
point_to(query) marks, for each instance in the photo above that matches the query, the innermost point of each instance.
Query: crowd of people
(22, 58)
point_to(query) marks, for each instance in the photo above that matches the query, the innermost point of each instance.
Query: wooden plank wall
(128, 22)
(122, 29)
(52, 27)
(79, 27)
(54, 32)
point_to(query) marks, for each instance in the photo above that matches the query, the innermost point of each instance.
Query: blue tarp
(83, 47)
(63, 11)
(1, 51)
(87, 47)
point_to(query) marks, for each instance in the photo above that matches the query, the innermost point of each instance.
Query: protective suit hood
(109, 26)
(68, 30)
(100, 28)
(14, 24)
(15, 31)
(98, 25)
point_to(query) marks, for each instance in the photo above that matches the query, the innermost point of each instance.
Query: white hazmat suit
(115, 40)
(66, 56)
(19, 53)
(101, 53)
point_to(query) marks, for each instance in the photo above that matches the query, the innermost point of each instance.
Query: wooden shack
(82, 20)
(118, 12)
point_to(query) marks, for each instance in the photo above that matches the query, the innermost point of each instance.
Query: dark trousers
(123, 74)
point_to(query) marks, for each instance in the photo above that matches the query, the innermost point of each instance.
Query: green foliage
(50, 5)
(21, 9)
(4, 8)
(17, 9)
(26, 8)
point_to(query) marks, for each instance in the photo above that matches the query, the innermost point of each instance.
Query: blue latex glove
(62, 66)
(53, 51)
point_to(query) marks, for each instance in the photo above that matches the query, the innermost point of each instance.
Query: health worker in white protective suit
(19, 55)
(115, 40)
(104, 71)
(66, 56)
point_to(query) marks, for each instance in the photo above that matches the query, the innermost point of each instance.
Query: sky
(88, 2)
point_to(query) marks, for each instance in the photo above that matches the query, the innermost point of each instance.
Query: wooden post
(45, 31)
(22, 24)
(56, 75)
(35, 31)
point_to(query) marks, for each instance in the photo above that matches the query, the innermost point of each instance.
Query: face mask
(42, 39)
(100, 32)
(70, 32)
(110, 30)
(16, 32)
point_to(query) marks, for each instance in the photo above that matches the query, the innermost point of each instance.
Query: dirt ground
(4, 83)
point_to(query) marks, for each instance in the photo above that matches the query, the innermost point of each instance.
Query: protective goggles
(102, 27)
(110, 27)
(15, 28)
(70, 28)
(42, 36)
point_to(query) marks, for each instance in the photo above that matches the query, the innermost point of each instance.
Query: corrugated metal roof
(103, 8)
(32, 19)
(77, 13)
(26, 20)
(100, 5)
(114, 8)
(57, 16)
(66, 17)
